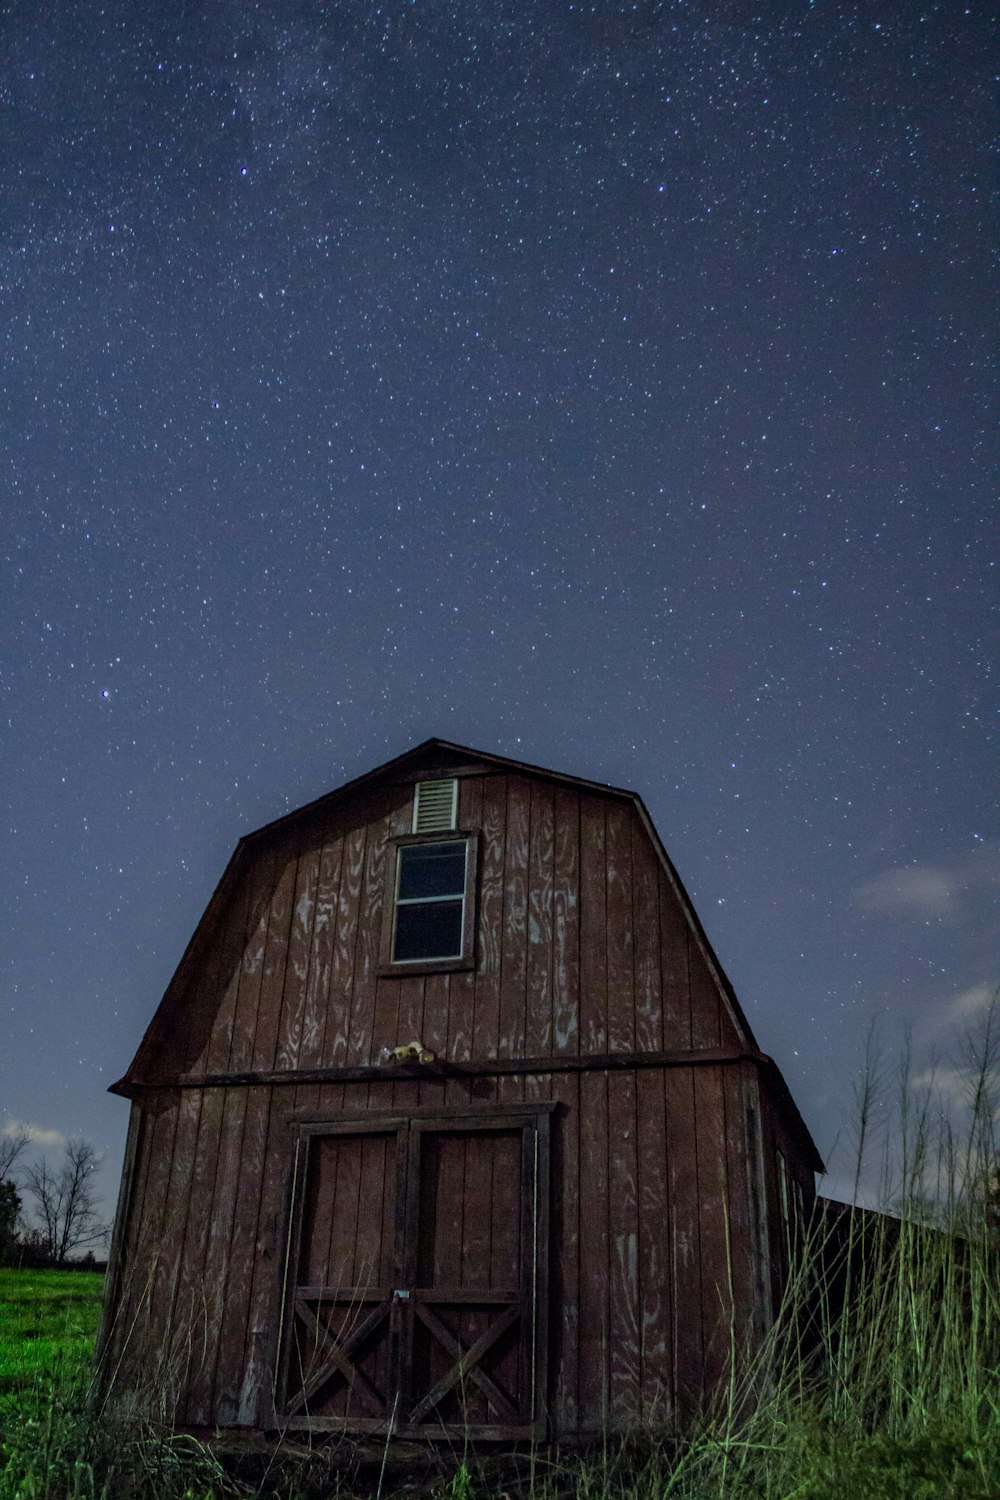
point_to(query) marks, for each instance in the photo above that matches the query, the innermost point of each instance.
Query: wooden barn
(449, 1122)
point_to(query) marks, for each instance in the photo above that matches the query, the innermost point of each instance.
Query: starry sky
(599, 384)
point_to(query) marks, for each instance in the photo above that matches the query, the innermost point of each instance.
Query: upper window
(430, 901)
(430, 897)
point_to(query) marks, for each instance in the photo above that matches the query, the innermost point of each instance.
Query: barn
(449, 1123)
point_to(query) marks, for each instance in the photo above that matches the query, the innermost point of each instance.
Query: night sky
(604, 385)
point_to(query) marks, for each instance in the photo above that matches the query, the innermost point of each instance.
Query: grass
(880, 1379)
(47, 1324)
(895, 1396)
(53, 1444)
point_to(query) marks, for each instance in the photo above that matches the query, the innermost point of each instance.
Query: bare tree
(66, 1202)
(13, 1143)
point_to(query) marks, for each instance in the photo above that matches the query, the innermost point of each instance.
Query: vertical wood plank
(565, 1087)
(656, 1293)
(128, 1314)
(646, 927)
(359, 1047)
(620, 954)
(487, 998)
(566, 923)
(515, 920)
(197, 1331)
(221, 1146)
(218, 1252)
(106, 1343)
(143, 1318)
(462, 990)
(412, 1007)
(197, 1306)
(291, 1024)
(541, 860)
(594, 1268)
(320, 1194)
(251, 1119)
(252, 966)
(338, 1023)
(388, 1018)
(385, 1027)
(624, 1332)
(231, 1366)
(674, 969)
(434, 1025)
(706, 1021)
(477, 1247)
(740, 1222)
(170, 1320)
(712, 1195)
(507, 1211)
(272, 982)
(444, 1186)
(461, 1009)
(274, 1173)
(513, 961)
(317, 1002)
(593, 927)
(222, 971)
(240, 1370)
(685, 1245)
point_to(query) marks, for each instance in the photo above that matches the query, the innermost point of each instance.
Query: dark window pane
(432, 931)
(432, 870)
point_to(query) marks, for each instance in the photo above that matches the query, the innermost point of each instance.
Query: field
(899, 1400)
(47, 1324)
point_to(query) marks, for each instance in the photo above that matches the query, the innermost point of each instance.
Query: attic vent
(434, 806)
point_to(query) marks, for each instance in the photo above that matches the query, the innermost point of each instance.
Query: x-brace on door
(415, 1289)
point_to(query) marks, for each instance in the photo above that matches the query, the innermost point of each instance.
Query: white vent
(434, 806)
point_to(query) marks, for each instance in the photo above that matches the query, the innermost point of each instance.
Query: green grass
(48, 1320)
(54, 1445)
(897, 1400)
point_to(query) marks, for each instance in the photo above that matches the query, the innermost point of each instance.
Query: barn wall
(651, 1242)
(663, 1198)
(789, 1212)
(583, 946)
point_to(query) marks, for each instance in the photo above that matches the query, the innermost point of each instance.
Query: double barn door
(414, 1293)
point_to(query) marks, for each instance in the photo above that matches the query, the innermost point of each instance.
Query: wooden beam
(488, 1068)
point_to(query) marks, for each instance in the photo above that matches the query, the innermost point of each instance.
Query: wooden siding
(640, 1246)
(582, 945)
(664, 1203)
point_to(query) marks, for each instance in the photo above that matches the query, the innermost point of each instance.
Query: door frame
(409, 1127)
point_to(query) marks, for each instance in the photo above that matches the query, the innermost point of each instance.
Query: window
(430, 897)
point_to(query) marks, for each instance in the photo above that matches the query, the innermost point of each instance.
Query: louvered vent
(434, 806)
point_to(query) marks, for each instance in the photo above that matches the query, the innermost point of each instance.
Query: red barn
(449, 1122)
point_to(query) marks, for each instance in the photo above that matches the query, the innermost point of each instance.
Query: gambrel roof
(429, 760)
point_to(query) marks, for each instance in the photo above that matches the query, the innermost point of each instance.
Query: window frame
(466, 959)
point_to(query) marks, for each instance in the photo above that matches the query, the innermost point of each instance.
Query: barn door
(419, 1299)
(339, 1314)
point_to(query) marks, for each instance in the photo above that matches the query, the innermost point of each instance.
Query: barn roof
(446, 757)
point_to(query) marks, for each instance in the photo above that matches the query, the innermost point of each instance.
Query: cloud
(966, 1089)
(918, 892)
(970, 1004)
(947, 892)
(37, 1134)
